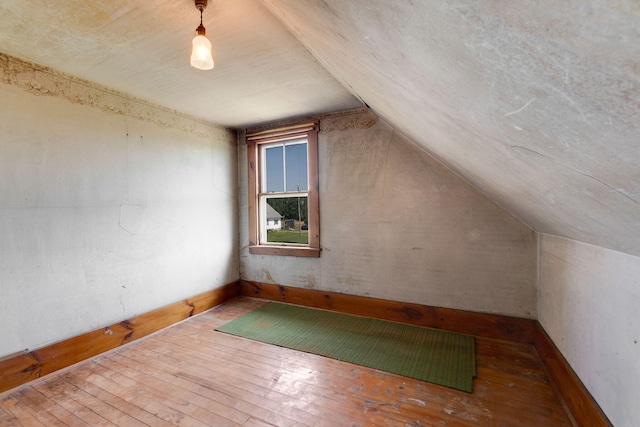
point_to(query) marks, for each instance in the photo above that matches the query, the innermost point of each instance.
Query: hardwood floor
(190, 375)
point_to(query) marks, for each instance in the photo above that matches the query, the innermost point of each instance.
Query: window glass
(274, 169)
(286, 220)
(283, 190)
(296, 167)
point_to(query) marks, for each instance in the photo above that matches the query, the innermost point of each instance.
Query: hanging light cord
(201, 30)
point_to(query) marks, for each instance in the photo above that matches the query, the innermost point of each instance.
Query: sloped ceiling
(535, 103)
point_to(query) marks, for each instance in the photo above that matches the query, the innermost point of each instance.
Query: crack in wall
(524, 107)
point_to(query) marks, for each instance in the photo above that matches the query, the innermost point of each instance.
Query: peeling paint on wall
(348, 120)
(44, 81)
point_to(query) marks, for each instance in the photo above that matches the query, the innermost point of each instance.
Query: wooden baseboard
(577, 398)
(24, 367)
(461, 321)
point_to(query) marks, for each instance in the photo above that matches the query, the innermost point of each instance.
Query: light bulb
(201, 53)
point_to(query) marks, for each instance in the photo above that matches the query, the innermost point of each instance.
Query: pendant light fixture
(201, 51)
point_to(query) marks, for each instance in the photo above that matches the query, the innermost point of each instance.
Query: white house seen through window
(284, 190)
(283, 187)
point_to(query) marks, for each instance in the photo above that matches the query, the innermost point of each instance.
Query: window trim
(254, 140)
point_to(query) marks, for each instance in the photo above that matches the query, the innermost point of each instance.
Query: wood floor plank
(255, 376)
(188, 403)
(269, 390)
(64, 392)
(164, 403)
(82, 379)
(279, 362)
(370, 403)
(229, 385)
(311, 387)
(191, 375)
(65, 395)
(464, 407)
(19, 413)
(47, 411)
(240, 385)
(22, 411)
(115, 383)
(252, 422)
(233, 408)
(6, 417)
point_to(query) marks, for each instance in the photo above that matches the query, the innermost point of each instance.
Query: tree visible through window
(283, 196)
(285, 190)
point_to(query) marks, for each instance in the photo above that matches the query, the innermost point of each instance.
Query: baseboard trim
(461, 321)
(577, 398)
(23, 367)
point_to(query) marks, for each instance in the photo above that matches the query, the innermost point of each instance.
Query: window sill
(285, 251)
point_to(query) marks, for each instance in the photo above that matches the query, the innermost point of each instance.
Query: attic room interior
(472, 167)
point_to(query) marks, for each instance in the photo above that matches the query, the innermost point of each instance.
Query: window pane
(286, 219)
(274, 166)
(296, 156)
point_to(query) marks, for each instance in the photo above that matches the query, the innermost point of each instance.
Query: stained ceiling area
(537, 104)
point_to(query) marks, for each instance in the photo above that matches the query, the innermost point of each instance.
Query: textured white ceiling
(536, 103)
(262, 73)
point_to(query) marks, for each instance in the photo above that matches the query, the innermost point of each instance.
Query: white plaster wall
(589, 304)
(104, 216)
(398, 225)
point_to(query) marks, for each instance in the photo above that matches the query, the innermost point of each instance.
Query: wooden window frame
(254, 140)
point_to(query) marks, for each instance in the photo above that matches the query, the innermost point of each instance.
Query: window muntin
(284, 166)
(283, 191)
(284, 186)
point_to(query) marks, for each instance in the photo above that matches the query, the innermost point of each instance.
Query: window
(283, 191)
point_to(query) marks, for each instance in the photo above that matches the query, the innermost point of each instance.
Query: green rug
(439, 357)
